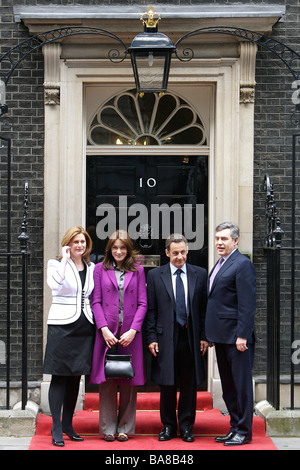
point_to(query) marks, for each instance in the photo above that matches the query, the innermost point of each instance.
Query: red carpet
(209, 423)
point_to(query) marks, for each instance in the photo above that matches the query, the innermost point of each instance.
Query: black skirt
(69, 349)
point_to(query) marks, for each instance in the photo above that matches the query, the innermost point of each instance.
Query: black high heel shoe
(57, 443)
(74, 437)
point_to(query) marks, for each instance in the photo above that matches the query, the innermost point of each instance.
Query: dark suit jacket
(231, 302)
(161, 325)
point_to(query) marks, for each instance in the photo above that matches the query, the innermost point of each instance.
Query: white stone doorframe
(231, 151)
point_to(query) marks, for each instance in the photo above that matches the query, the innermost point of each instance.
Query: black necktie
(180, 300)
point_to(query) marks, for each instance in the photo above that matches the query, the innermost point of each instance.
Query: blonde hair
(71, 233)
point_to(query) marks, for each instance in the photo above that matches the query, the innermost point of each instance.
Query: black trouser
(63, 393)
(185, 381)
(235, 368)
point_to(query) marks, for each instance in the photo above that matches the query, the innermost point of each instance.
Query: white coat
(68, 297)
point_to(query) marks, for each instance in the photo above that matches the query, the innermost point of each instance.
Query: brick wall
(25, 128)
(273, 155)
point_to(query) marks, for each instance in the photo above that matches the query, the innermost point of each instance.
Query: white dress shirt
(183, 276)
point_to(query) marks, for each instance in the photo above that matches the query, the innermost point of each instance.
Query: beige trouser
(112, 420)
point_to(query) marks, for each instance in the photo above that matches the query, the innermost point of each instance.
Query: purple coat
(105, 306)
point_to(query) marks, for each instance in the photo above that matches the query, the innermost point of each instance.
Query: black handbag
(118, 366)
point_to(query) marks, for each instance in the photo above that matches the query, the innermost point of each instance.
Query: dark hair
(174, 238)
(129, 263)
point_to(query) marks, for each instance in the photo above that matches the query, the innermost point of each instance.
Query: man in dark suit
(230, 326)
(175, 333)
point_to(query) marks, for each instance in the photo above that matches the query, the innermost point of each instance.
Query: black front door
(151, 197)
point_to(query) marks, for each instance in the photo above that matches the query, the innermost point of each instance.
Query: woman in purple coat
(119, 306)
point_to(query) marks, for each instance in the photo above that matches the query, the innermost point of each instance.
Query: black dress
(69, 349)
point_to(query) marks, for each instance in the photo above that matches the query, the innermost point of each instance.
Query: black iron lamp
(151, 56)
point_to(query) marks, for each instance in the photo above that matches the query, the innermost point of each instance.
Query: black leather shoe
(166, 434)
(222, 439)
(238, 440)
(74, 437)
(57, 443)
(187, 436)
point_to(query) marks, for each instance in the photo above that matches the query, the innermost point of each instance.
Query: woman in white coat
(71, 331)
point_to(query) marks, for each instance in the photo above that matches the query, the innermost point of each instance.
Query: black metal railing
(282, 308)
(6, 258)
(272, 247)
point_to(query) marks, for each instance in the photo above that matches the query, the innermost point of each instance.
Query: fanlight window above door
(128, 119)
